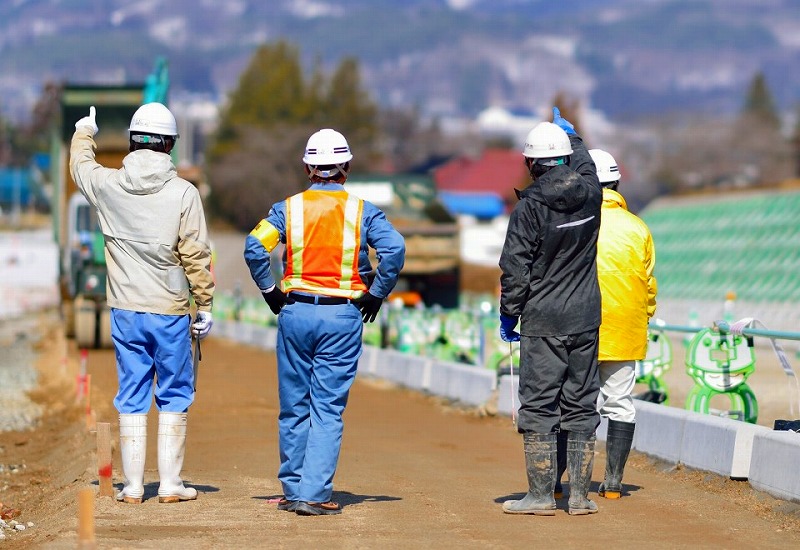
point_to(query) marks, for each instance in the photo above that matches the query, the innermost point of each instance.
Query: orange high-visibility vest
(323, 238)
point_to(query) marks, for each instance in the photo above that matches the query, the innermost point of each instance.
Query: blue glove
(507, 332)
(563, 123)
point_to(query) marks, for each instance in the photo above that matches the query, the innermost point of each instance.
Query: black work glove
(275, 299)
(369, 304)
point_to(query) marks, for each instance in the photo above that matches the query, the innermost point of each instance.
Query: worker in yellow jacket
(625, 263)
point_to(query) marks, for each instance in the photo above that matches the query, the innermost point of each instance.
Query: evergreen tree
(758, 102)
(796, 143)
(756, 144)
(262, 132)
(271, 91)
(5, 143)
(348, 109)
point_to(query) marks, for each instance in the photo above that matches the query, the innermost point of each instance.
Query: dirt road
(414, 472)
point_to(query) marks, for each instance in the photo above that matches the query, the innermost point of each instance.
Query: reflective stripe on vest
(323, 239)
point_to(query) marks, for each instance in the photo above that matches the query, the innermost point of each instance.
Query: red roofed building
(498, 171)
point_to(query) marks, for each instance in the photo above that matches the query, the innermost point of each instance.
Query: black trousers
(558, 383)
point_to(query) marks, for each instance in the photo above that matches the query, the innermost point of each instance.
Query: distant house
(480, 192)
(475, 186)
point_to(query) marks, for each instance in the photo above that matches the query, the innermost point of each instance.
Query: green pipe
(663, 327)
(724, 327)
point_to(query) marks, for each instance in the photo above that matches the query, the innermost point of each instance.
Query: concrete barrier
(464, 383)
(659, 430)
(726, 445)
(367, 364)
(400, 368)
(774, 464)
(264, 337)
(508, 395)
(602, 430)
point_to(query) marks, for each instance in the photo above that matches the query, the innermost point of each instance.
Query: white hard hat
(607, 169)
(154, 118)
(327, 147)
(547, 140)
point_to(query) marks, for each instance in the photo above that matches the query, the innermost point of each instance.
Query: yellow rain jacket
(625, 262)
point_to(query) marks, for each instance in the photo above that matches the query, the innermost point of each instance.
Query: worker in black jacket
(549, 281)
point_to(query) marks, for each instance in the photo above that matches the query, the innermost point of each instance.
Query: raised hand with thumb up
(88, 121)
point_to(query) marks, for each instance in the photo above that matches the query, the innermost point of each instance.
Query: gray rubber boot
(561, 462)
(618, 446)
(580, 459)
(540, 458)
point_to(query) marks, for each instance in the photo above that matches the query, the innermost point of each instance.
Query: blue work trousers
(318, 349)
(152, 349)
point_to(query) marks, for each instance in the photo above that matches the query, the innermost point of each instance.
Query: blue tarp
(481, 205)
(17, 187)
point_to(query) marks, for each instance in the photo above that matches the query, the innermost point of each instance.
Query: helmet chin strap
(327, 174)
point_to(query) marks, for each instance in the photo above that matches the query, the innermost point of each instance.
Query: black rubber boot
(580, 459)
(561, 462)
(618, 446)
(540, 458)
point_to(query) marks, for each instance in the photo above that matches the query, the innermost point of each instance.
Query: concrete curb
(773, 464)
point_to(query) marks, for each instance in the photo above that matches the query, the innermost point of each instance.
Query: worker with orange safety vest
(327, 290)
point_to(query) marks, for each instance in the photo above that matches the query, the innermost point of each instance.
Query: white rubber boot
(133, 449)
(171, 447)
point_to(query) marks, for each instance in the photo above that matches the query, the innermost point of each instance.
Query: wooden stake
(104, 468)
(90, 418)
(86, 538)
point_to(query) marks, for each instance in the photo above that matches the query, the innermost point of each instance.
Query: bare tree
(266, 167)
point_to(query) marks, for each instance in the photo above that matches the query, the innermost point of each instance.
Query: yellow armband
(267, 235)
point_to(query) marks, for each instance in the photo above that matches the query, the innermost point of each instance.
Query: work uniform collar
(320, 186)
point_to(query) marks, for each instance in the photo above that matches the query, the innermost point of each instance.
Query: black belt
(318, 300)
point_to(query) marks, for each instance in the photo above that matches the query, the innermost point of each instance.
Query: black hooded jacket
(548, 263)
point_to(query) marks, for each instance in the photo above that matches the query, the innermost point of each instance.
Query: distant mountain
(627, 58)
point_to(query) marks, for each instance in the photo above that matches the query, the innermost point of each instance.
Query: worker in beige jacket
(158, 256)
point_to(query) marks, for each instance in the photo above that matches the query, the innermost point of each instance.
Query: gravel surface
(18, 374)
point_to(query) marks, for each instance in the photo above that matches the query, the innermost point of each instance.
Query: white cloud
(309, 9)
(172, 30)
(460, 4)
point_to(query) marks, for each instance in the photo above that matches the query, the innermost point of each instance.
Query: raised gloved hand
(88, 121)
(563, 123)
(202, 324)
(507, 325)
(275, 299)
(369, 304)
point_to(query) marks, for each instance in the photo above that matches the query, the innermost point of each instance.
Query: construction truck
(431, 275)
(82, 266)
